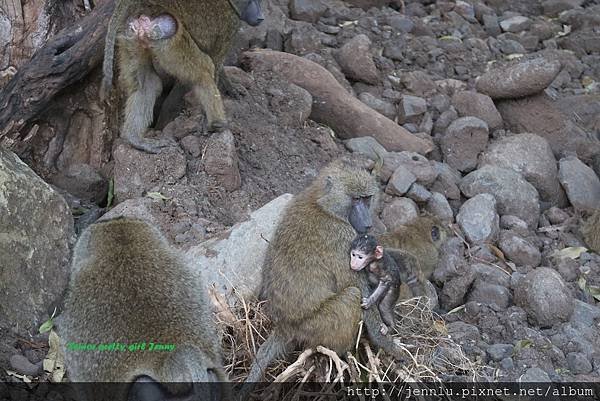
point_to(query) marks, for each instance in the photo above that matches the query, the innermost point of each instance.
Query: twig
(294, 367)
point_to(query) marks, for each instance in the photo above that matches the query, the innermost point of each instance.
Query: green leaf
(522, 344)
(46, 326)
(457, 309)
(111, 193)
(157, 196)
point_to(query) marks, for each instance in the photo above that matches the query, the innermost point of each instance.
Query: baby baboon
(419, 240)
(590, 229)
(129, 288)
(314, 299)
(186, 39)
(385, 274)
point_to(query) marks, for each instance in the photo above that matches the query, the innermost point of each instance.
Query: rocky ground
(506, 92)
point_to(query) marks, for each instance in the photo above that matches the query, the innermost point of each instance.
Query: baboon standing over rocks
(314, 298)
(187, 39)
(128, 286)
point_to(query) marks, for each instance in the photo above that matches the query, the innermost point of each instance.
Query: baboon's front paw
(384, 329)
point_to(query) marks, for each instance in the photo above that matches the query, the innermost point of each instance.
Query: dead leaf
(222, 309)
(572, 252)
(157, 196)
(54, 363)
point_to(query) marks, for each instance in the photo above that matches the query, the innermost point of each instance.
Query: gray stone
(498, 352)
(399, 212)
(400, 182)
(493, 295)
(36, 234)
(519, 250)
(192, 145)
(517, 80)
(552, 8)
(366, 145)
(531, 156)
(465, 10)
(578, 363)
(418, 83)
(438, 206)
(509, 222)
(491, 25)
(513, 194)
(464, 140)
(380, 106)
(491, 274)
(450, 261)
(580, 182)
(478, 218)
(455, 289)
(545, 297)
(535, 375)
(417, 164)
(418, 193)
(515, 24)
(234, 260)
(137, 172)
(307, 10)
(585, 314)
(507, 364)
(447, 181)
(462, 333)
(444, 120)
(478, 105)
(221, 161)
(23, 366)
(400, 23)
(356, 61)
(556, 215)
(411, 107)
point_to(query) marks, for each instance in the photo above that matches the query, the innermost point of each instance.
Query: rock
(380, 106)
(513, 194)
(399, 212)
(478, 105)
(556, 215)
(464, 140)
(234, 260)
(303, 39)
(494, 295)
(447, 181)
(192, 145)
(418, 193)
(552, 8)
(465, 10)
(523, 78)
(414, 162)
(578, 363)
(24, 367)
(478, 219)
(221, 161)
(139, 208)
(307, 10)
(418, 83)
(137, 172)
(444, 121)
(450, 260)
(356, 60)
(400, 182)
(515, 24)
(580, 182)
(462, 333)
(498, 352)
(534, 375)
(585, 314)
(411, 107)
(37, 232)
(290, 103)
(508, 222)
(83, 181)
(540, 115)
(438, 206)
(455, 290)
(531, 156)
(400, 23)
(545, 297)
(491, 25)
(507, 364)
(491, 274)
(519, 250)
(366, 145)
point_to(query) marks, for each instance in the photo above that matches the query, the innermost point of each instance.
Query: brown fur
(128, 286)
(205, 32)
(590, 229)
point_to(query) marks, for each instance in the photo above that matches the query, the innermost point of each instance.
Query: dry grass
(430, 354)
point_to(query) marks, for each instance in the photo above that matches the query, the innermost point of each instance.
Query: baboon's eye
(435, 233)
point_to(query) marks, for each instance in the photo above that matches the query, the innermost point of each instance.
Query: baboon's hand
(366, 303)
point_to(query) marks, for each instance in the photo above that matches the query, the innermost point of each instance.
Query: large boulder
(531, 156)
(581, 183)
(234, 260)
(513, 194)
(35, 238)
